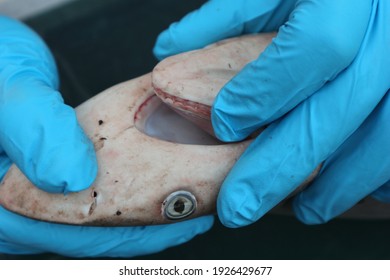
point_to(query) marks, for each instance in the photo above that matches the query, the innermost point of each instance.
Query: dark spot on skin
(92, 207)
(230, 67)
(103, 138)
(179, 206)
(107, 172)
(118, 213)
(99, 144)
(116, 181)
(94, 203)
(101, 122)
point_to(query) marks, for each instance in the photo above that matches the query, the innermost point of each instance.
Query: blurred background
(99, 43)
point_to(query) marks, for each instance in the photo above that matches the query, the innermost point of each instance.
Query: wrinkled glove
(322, 85)
(42, 137)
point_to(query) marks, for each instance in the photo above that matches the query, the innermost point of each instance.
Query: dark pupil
(179, 206)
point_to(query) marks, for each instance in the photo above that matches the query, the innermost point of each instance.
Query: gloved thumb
(41, 135)
(38, 132)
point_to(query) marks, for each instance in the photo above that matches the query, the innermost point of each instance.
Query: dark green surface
(100, 43)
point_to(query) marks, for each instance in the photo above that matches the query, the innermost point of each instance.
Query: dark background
(100, 43)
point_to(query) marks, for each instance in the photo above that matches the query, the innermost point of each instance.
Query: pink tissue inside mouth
(195, 112)
(140, 112)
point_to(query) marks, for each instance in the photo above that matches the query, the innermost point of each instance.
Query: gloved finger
(310, 50)
(77, 241)
(45, 140)
(353, 172)
(382, 193)
(38, 132)
(220, 19)
(286, 152)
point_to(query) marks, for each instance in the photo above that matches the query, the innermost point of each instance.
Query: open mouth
(158, 120)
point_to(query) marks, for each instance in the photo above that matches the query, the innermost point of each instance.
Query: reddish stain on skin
(140, 108)
(112, 154)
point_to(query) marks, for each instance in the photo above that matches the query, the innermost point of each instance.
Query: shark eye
(179, 205)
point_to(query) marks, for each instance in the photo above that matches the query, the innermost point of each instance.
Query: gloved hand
(322, 84)
(42, 137)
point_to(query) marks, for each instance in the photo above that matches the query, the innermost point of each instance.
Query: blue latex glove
(42, 137)
(323, 84)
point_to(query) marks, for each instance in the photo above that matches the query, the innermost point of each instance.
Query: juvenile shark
(143, 180)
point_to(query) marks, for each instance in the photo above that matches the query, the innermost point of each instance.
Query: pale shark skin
(137, 173)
